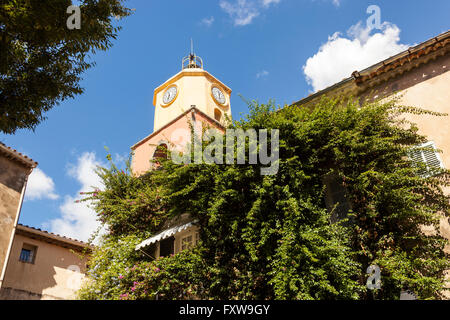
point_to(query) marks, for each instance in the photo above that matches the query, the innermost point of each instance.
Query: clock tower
(191, 87)
(192, 95)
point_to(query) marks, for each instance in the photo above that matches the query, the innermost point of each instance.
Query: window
(186, 242)
(160, 152)
(217, 114)
(427, 157)
(166, 247)
(28, 253)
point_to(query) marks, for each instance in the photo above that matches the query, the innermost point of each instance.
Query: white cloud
(337, 3)
(84, 171)
(207, 21)
(267, 3)
(40, 186)
(77, 219)
(340, 56)
(120, 160)
(243, 12)
(261, 74)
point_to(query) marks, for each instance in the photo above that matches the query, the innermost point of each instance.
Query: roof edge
(133, 147)
(49, 236)
(17, 156)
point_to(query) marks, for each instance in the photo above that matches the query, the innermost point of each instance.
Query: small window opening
(28, 253)
(217, 115)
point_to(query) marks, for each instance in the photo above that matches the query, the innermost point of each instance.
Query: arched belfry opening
(160, 152)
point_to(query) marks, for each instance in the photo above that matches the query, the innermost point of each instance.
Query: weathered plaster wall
(12, 179)
(51, 276)
(428, 87)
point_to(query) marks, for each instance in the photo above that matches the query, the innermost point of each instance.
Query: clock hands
(169, 95)
(218, 95)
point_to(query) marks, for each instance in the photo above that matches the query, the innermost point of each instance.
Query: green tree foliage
(272, 237)
(42, 60)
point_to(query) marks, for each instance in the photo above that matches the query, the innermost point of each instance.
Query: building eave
(52, 238)
(17, 156)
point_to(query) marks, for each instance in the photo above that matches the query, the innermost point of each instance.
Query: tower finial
(192, 61)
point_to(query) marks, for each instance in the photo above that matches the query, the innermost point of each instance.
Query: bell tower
(192, 96)
(192, 87)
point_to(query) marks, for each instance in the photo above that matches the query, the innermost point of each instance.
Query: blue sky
(262, 49)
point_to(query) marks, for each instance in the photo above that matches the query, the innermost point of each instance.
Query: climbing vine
(273, 236)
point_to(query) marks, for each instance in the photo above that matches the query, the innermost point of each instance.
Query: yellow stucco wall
(434, 95)
(53, 275)
(194, 89)
(426, 86)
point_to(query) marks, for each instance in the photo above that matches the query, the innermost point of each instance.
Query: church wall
(178, 133)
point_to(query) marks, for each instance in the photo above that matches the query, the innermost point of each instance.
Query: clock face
(169, 95)
(218, 95)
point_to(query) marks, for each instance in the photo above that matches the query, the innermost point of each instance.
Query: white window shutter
(416, 156)
(430, 157)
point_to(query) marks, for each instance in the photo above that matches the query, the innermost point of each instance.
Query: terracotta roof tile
(16, 155)
(54, 235)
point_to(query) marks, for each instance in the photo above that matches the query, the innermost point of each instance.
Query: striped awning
(165, 234)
